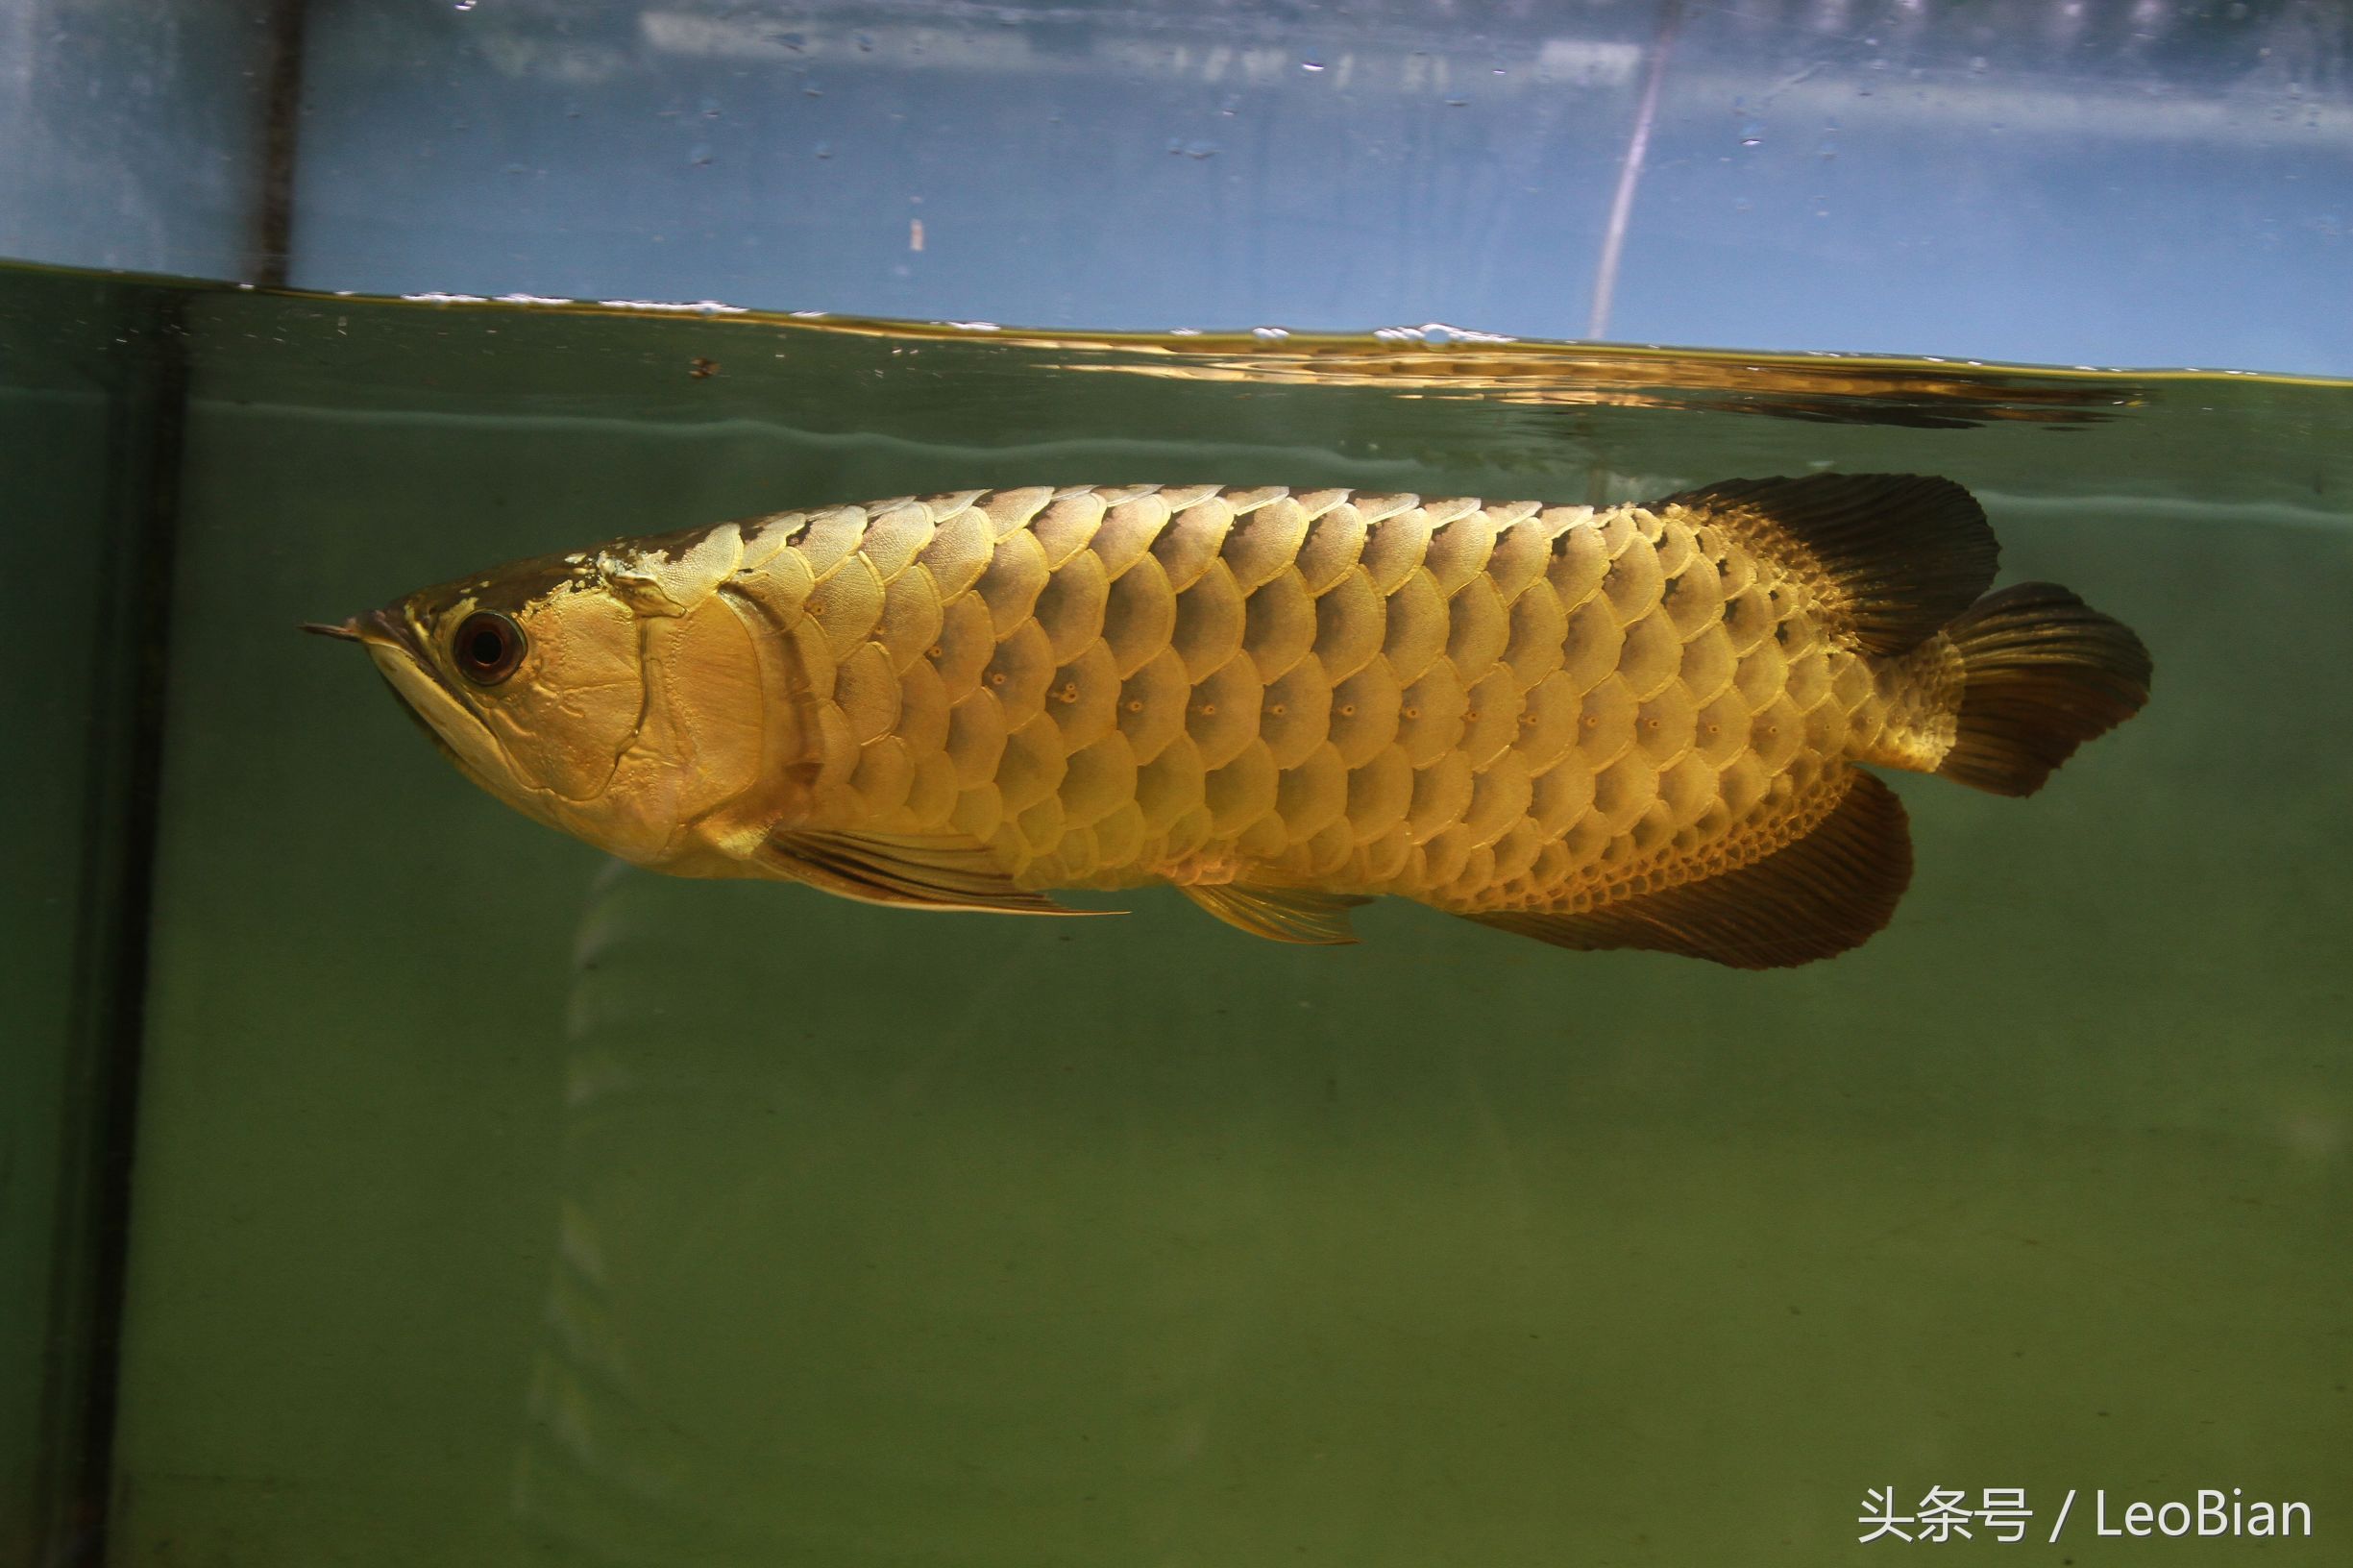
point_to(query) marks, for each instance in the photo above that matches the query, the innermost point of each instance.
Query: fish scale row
(1493, 706)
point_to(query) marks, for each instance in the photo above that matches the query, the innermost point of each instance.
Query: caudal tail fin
(2042, 673)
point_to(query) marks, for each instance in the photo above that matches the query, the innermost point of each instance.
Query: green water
(497, 1205)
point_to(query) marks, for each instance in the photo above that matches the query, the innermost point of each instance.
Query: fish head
(612, 694)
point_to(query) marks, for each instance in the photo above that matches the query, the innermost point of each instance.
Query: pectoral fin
(1822, 894)
(909, 871)
(1278, 914)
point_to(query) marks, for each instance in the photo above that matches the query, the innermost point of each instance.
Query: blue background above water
(2103, 183)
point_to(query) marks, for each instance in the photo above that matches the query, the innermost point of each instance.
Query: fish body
(1641, 725)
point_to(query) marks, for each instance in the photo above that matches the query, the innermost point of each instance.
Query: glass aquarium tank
(386, 1180)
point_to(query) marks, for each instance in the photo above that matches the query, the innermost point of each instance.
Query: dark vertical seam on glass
(273, 238)
(148, 442)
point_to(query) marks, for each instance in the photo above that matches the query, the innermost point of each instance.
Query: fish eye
(487, 647)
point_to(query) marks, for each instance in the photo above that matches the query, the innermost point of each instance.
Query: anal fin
(1299, 915)
(1818, 896)
(910, 872)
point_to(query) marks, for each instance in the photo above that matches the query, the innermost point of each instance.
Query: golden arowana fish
(1636, 726)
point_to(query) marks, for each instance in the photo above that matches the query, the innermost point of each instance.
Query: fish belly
(1483, 706)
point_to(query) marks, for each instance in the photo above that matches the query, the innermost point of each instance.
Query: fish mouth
(398, 651)
(379, 629)
(430, 731)
(388, 630)
(398, 647)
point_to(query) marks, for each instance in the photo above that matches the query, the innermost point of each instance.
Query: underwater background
(391, 1181)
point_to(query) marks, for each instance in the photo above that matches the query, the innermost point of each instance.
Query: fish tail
(2042, 673)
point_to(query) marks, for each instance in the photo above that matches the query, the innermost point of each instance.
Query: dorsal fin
(1827, 891)
(909, 871)
(1904, 552)
(1278, 914)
